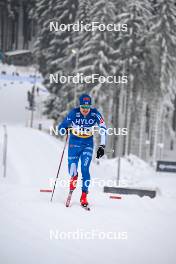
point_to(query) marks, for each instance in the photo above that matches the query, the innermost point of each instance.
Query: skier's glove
(100, 151)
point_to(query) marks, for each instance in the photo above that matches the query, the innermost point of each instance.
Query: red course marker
(45, 190)
(115, 197)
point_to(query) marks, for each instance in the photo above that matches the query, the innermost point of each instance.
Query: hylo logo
(84, 121)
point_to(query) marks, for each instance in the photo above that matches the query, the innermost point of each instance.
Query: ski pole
(59, 167)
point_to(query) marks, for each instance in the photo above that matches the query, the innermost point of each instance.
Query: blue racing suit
(81, 141)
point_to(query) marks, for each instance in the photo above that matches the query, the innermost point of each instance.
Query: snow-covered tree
(130, 52)
(52, 47)
(163, 33)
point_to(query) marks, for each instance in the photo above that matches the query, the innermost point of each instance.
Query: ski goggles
(85, 106)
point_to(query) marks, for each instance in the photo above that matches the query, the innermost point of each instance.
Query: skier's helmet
(85, 101)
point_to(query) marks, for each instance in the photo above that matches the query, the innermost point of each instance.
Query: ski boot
(83, 199)
(73, 182)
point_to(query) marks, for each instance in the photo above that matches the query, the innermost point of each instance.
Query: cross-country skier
(80, 122)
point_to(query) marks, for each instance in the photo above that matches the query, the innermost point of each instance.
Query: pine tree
(163, 34)
(52, 47)
(43, 15)
(130, 53)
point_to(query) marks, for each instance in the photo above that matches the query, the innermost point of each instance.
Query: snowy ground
(145, 227)
(28, 216)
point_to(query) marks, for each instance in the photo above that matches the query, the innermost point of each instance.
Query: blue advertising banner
(166, 166)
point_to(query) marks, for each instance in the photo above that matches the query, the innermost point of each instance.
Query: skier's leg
(86, 158)
(74, 151)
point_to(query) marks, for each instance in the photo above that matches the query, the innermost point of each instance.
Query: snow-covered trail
(27, 216)
(13, 94)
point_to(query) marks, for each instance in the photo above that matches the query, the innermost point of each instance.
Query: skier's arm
(66, 123)
(102, 126)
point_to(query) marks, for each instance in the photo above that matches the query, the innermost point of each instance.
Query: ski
(69, 199)
(87, 208)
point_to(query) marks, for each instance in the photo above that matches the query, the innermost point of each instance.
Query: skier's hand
(100, 151)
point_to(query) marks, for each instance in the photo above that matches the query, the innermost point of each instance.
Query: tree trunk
(142, 127)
